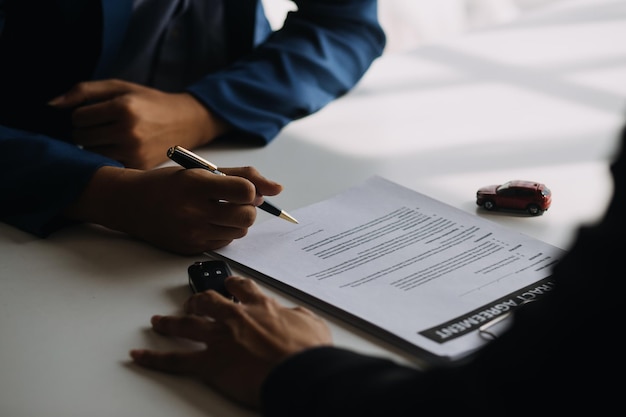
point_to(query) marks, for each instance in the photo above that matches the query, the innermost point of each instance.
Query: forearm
(319, 54)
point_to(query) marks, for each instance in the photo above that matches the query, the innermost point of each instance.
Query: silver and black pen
(188, 159)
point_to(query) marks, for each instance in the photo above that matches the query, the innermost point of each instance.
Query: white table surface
(540, 99)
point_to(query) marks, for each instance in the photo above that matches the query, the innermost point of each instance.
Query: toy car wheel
(489, 205)
(534, 210)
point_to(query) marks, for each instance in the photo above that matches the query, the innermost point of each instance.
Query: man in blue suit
(93, 93)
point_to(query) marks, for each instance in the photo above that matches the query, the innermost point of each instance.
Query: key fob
(209, 275)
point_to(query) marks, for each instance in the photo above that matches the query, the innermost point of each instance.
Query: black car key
(209, 275)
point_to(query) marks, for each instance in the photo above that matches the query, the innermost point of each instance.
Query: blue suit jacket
(272, 78)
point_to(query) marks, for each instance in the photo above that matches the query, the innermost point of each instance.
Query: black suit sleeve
(331, 381)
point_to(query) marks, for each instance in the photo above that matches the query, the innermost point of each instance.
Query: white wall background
(409, 23)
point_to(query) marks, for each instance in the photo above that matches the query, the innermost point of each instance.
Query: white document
(420, 273)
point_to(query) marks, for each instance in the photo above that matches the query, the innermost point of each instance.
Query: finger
(198, 227)
(211, 304)
(90, 91)
(194, 328)
(244, 289)
(97, 114)
(203, 184)
(263, 185)
(172, 362)
(200, 186)
(210, 220)
(99, 136)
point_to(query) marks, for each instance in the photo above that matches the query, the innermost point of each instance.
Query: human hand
(186, 211)
(135, 124)
(243, 341)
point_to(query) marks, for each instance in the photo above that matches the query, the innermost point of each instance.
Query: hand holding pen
(188, 159)
(181, 211)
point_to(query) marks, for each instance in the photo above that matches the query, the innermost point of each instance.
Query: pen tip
(286, 216)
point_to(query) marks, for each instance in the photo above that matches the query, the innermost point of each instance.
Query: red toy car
(533, 197)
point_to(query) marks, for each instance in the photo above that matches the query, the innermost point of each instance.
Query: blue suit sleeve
(40, 177)
(320, 53)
